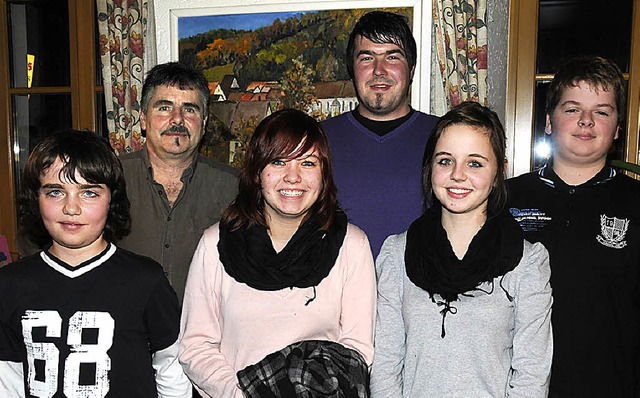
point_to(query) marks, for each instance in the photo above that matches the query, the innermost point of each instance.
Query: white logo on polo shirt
(613, 231)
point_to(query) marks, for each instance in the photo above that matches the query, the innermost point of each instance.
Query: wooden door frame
(82, 88)
(633, 116)
(8, 223)
(523, 20)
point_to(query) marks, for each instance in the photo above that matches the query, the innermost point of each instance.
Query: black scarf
(432, 265)
(248, 255)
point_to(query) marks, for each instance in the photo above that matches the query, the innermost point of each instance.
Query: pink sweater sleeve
(357, 322)
(200, 327)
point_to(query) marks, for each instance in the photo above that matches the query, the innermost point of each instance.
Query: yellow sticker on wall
(30, 60)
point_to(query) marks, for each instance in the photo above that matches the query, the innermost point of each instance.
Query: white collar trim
(81, 270)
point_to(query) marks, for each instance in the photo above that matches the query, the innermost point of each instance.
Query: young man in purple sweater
(377, 148)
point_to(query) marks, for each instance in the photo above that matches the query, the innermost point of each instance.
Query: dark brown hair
(285, 134)
(383, 27)
(90, 156)
(179, 75)
(486, 121)
(598, 72)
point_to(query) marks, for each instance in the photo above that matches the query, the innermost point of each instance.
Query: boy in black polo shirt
(588, 217)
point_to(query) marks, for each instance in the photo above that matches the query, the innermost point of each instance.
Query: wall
(498, 50)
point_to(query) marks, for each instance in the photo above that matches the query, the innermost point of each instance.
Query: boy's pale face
(74, 214)
(583, 125)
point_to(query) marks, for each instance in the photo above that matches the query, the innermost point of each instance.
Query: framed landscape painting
(260, 56)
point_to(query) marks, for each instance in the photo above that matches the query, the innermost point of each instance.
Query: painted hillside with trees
(272, 67)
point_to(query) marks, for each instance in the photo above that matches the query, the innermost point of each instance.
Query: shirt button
(572, 191)
(160, 193)
(166, 245)
(567, 223)
(169, 218)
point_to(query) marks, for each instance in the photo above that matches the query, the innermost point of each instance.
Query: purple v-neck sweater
(379, 178)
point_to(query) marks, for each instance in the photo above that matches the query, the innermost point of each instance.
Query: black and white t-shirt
(89, 330)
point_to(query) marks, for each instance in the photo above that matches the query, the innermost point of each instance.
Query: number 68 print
(80, 353)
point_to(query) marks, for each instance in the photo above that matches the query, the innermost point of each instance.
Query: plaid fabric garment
(310, 368)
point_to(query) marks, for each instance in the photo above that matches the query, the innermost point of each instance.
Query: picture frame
(168, 12)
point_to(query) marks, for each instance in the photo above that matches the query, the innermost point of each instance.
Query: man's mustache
(380, 80)
(176, 129)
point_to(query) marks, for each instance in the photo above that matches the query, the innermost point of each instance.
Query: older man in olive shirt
(170, 233)
(175, 192)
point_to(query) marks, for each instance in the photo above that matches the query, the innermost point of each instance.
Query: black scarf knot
(447, 308)
(432, 265)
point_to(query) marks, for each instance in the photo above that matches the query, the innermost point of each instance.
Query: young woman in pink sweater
(282, 279)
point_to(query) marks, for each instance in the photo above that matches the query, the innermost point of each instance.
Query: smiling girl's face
(290, 187)
(464, 170)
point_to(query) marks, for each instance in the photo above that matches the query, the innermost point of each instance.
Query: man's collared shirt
(170, 234)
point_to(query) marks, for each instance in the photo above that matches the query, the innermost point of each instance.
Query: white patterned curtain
(461, 47)
(122, 27)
